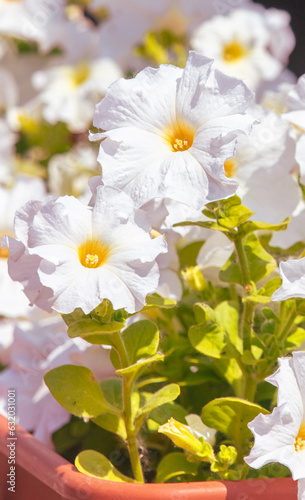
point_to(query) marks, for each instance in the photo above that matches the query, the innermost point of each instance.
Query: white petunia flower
(68, 93)
(293, 280)
(264, 168)
(280, 436)
(240, 44)
(169, 131)
(70, 255)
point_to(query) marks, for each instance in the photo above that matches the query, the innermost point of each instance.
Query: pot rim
(54, 471)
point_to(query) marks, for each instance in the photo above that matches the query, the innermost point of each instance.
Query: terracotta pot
(41, 474)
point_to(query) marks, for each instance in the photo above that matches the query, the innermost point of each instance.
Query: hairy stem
(128, 411)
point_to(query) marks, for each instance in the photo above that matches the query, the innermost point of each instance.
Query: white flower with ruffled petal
(280, 436)
(169, 131)
(70, 255)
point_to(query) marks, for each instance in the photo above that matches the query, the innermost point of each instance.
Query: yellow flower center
(299, 443)
(4, 252)
(233, 51)
(80, 73)
(180, 136)
(93, 253)
(230, 167)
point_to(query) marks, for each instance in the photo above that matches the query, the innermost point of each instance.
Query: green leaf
(84, 327)
(231, 416)
(162, 414)
(77, 390)
(251, 226)
(260, 262)
(112, 423)
(204, 313)
(173, 465)
(164, 395)
(296, 339)
(94, 464)
(158, 301)
(141, 340)
(205, 224)
(113, 390)
(136, 369)
(209, 339)
(227, 315)
(188, 254)
(263, 296)
(234, 215)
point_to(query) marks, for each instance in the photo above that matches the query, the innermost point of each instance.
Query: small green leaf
(251, 226)
(203, 313)
(94, 464)
(77, 390)
(173, 465)
(234, 216)
(162, 414)
(205, 224)
(158, 301)
(231, 416)
(164, 395)
(136, 369)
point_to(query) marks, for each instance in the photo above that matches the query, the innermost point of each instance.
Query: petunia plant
(190, 353)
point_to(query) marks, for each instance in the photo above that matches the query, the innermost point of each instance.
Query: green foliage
(173, 465)
(77, 390)
(95, 464)
(165, 395)
(231, 416)
(260, 262)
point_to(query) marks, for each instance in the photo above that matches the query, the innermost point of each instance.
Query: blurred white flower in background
(241, 44)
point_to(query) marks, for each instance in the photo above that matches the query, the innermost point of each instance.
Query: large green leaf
(77, 390)
(231, 416)
(94, 464)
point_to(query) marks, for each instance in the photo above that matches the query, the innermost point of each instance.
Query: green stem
(286, 329)
(247, 318)
(246, 325)
(128, 413)
(245, 273)
(131, 432)
(250, 388)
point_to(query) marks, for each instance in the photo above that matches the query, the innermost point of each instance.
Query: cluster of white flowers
(172, 140)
